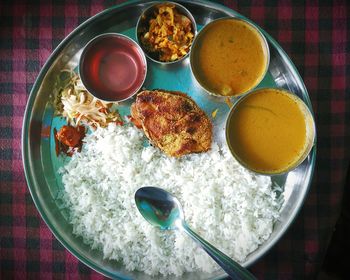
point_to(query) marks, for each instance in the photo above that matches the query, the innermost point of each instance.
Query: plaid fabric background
(314, 34)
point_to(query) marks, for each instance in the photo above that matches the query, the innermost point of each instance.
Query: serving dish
(142, 26)
(40, 161)
(112, 54)
(245, 46)
(286, 133)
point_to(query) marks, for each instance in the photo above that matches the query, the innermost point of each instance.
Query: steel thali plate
(41, 164)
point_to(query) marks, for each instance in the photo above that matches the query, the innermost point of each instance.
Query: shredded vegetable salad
(78, 106)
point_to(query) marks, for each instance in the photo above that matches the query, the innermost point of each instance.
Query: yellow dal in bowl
(230, 57)
(270, 131)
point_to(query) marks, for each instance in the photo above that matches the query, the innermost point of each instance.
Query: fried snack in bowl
(165, 32)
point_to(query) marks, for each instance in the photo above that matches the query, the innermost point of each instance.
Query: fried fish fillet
(172, 121)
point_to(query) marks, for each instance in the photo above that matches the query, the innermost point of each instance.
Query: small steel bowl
(112, 67)
(198, 42)
(142, 27)
(310, 132)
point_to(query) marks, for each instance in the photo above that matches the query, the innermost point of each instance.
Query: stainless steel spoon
(163, 210)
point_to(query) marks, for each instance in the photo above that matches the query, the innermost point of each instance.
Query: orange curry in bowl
(270, 131)
(229, 57)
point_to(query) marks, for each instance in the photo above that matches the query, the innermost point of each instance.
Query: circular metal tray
(41, 164)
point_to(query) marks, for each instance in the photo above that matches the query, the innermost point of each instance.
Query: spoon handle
(232, 268)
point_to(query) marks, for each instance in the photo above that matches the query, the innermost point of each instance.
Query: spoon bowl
(164, 211)
(159, 207)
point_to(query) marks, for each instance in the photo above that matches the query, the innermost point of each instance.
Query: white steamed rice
(223, 202)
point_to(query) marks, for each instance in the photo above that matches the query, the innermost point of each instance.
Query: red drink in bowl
(112, 67)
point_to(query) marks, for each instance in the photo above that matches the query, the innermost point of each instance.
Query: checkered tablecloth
(314, 34)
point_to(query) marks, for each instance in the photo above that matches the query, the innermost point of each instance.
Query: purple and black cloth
(315, 34)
